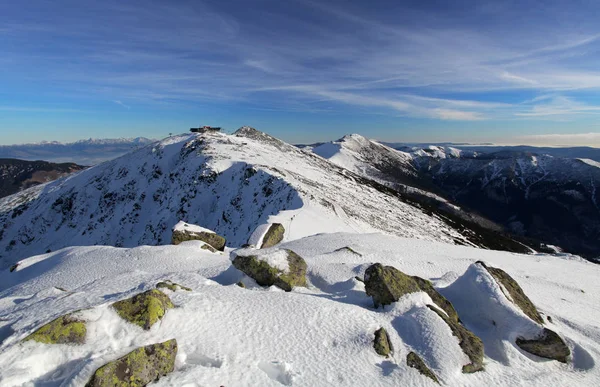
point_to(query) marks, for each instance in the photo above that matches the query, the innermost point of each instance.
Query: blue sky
(479, 71)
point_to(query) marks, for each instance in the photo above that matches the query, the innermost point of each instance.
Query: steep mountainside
(228, 183)
(547, 198)
(17, 175)
(85, 152)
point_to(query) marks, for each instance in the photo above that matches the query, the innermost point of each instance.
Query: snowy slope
(316, 336)
(229, 184)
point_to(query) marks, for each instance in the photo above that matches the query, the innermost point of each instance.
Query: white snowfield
(316, 336)
(226, 183)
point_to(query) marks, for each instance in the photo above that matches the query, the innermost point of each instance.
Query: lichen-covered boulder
(282, 268)
(386, 284)
(144, 309)
(273, 236)
(172, 286)
(64, 330)
(413, 360)
(382, 343)
(515, 293)
(470, 344)
(208, 247)
(189, 232)
(549, 345)
(138, 368)
(437, 298)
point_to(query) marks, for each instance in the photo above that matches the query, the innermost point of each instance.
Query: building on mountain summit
(204, 129)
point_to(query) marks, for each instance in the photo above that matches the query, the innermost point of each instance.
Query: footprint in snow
(203, 360)
(279, 371)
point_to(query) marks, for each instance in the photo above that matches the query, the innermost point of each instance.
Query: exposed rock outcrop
(386, 284)
(144, 309)
(64, 330)
(138, 368)
(172, 286)
(282, 268)
(273, 236)
(413, 360)
(549, 345)
(183, 232)
(382, 343)
(436, 297)
(471, 345)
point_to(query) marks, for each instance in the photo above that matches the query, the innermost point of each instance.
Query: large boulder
(386, 284)
(273, 236)
(515, 293)
(64, 330)
(144, 309)
(138, 368)
(470, 344)
(382, 343)
(282, 268)
(548, 345)
(413, 360)
(188, 232)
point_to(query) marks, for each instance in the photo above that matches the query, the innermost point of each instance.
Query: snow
(316, 336)
(591, 162)
(186, 227)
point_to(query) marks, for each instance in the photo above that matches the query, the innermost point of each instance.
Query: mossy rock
(549, 345)
(515, 293)
(470, 344)
(172, 286)
(241, 285)
(14, 267)
(386, 284)
(215, 240)
(437, 298)
(273, 236)
(348, 249)
(208, 247)
(144, 309)
(64, 330)
(382, 343)
(266, 275)
(138, 368)
(413, 360)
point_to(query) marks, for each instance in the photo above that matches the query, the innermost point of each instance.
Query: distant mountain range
(18, 175)
(84, 152)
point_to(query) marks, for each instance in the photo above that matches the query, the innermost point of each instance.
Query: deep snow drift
(316, 336)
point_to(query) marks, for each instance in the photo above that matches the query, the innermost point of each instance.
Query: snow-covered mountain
(228, 183)
(84, 152)
(547, 198)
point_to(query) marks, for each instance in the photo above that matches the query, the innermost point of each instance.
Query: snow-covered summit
(227, 183)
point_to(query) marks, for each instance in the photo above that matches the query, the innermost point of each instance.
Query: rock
(386, 284)
(208, 247)
(382, 343)
(549, 345)
(64, 330)
(14, 267)
(265, 274)
(138, 368)
(241, 285)
(437, 298)
(413, 360)
(515, 293)
(471, 345)
(273, 236)
(189, 232)
(168, 284)
(144, 309)
(348, 249)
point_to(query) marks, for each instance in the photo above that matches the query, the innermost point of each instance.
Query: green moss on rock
(172, 286)
(413, 360)
(14, 267)
(215, 240)
(208, 247)
(470, 344)
(144, 309)
(437, 298)
(382, 343)
(386, 284)
(64, 330)
(515, 293)
(266, 275)
(348, 249)
(138, 368)
(549, 345)
(273, 236)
